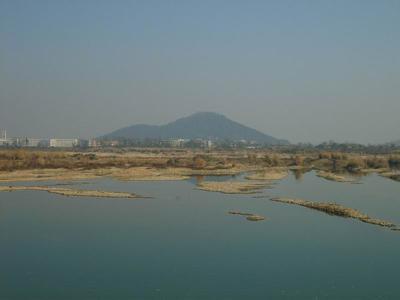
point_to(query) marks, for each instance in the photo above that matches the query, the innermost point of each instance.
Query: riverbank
(135, 173)
(180, 164)
(335, 177)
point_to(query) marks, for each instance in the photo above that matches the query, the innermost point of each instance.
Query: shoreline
(337, 210)
(123, 174)
(232, 187)
(71, 192)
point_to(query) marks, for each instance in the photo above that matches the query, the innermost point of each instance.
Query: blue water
(182, 244)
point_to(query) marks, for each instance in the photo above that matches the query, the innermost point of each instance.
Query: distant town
(195, 143)
(6, 141)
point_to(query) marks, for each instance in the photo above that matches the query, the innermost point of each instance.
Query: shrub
(199, 162)
(354, 165)
(325, 155)
(394, 162)
(376, 163)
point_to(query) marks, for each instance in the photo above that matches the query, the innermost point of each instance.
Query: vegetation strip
(70, 192)
(179, 164)
(249, 216)
(337, 210)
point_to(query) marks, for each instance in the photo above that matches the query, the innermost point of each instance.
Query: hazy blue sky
(300, 70)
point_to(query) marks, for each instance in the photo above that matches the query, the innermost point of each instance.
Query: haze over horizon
(306, 71)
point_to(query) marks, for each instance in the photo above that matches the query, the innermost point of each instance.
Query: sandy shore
(232, 187)
(269, 174)
(249, 216)
(136, 173)
(335, 177)
(391, 175)
(69, 192)
(337, 210)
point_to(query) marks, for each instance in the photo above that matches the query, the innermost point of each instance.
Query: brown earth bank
(337, 210)
(70, 192)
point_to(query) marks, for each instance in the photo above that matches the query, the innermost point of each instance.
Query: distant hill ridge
(204, 125)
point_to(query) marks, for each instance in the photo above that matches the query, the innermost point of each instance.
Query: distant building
(93, 143)
(32, 142)
(109, 143)
(114, 143)
(209, 144)
(83, 143)
(3, 137)
(176, 143)
(3, 134)
(15, 141)
(64, 143)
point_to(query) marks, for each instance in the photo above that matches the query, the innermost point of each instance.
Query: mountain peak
(207, 114)
(204, 115)
(204, 125)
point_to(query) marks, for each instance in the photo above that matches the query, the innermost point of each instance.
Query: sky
(306, 71)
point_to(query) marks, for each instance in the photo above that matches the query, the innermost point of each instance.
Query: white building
(93, 143)
(3, 134)
(3, 137)
(30, 142)
(13, 141)
(64, 143)
(177, 143)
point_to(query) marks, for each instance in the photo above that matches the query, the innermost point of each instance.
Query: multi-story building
(64, 143)
(209, 144)
(93, 143)
(177, 143)
(3, 137)
(30, 142)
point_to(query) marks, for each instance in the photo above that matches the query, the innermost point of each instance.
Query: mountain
(205, 125)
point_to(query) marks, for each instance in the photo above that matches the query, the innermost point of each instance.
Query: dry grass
(51, 174)
(167, 164)
(337, 210)
(269, 174)
(135, 173)
(69, 192)
(249, 216)
(335, 177)
(232, 187)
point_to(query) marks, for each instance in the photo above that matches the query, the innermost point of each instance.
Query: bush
(325, 155)
(298, 160)
(267, 160)
(354, 165)
(376, 163)
(394, 162)
(199, 162)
